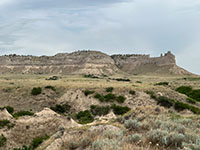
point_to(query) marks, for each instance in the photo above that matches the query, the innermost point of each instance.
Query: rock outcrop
(89, 62)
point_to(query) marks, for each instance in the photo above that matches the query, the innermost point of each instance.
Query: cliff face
(88, 62)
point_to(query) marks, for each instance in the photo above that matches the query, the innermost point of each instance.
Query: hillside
(91, 62)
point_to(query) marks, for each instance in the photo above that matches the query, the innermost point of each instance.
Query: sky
(47, 27)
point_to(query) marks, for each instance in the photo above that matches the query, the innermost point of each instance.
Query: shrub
(99, 110)
(191, 100)
(109, 97)
(4, 123)
(179, 106)
(134, 138)
(120, 99)
(165, 101)
(109, 89)
(152, 94)
(99, 97)
(184, 89)
(138, 81)
(36, 91)
(38, 140)
(50, 87)
(88, 92)
(53, 78)
(195, 94)
(84, 117)
(132, 124)
(119, 110)
(158, 136)
(22, 113)
(65, 108)
(162, 83)
(2, 140)
(10, 109)
(132, 92)
(91, 76)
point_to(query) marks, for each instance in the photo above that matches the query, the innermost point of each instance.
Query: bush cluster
(50, 87)
(110, 97)
(99, 110)
(22, 113)
(162, 83)
(4, 123)
(109, 89)
(65, 108)
(190, 92)
(132, 92)
(8, 108)
(37, 141)
(85, 117)
(88, 92)
(152, 94)
(36, 91)
(120, 110)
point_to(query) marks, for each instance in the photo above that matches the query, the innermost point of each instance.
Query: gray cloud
(114, 26)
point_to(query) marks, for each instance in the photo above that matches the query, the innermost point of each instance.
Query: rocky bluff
(89, 62)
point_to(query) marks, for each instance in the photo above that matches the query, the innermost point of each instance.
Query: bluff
(90, 62)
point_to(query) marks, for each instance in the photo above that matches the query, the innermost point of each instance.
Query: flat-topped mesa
(79, 62)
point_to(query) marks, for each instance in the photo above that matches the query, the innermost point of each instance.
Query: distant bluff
(90, 62)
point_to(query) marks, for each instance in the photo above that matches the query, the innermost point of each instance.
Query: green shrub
(4, 123)
(37, 141)
(120, 99)
(99, 110)
(132, 92)
(109, 89)
(84, 117)
(152, 94)
(88, 92)
(10, 109)
(184, 89)
(165, 101)
(179, 106)
(138, 81)
(2, 140)
(195, 94)
(22, 113)
(109, 97)
(162, 83)
(120, 110)
(99, 97)
(65, 108)
(190, 100)
(36, 91)
(50, 87)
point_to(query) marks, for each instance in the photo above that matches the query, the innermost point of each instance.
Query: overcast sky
(46, 27)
